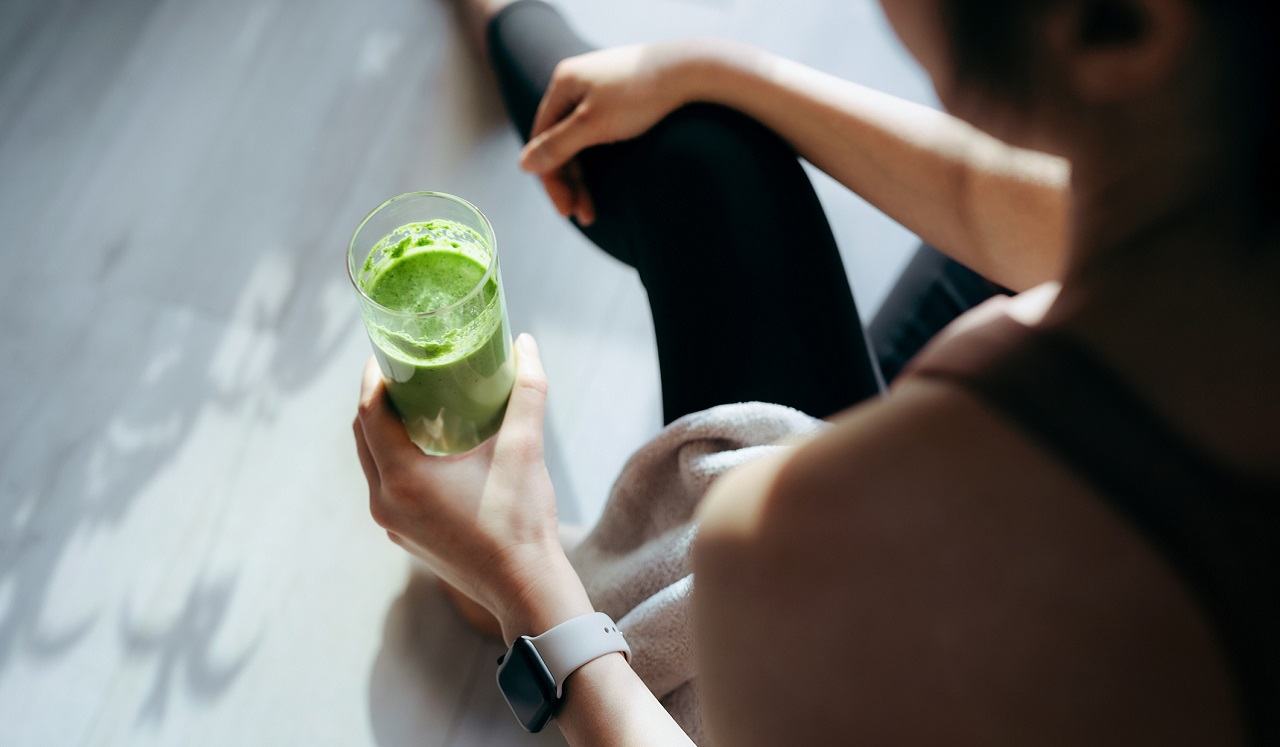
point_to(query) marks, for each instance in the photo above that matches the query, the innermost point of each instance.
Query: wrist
(707, 69)
(545, 597)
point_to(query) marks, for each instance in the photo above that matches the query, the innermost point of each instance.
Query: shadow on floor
(187, 645)
(422, 673)
(432, 681)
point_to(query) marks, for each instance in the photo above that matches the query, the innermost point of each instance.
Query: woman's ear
(1112, 50)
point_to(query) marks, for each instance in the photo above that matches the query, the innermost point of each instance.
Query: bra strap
(1219, 530)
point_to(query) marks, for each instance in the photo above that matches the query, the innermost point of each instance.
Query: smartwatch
(531, 674)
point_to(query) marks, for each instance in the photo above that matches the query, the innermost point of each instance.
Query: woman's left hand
(485, 520)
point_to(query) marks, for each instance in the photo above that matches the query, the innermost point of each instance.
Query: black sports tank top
(1220, 530)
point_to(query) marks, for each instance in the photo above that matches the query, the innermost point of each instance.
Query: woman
(1059, 525)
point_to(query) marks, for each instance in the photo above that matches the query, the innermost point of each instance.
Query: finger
(583, 207)
(384, 434)
(575, 189)
(560, 192)
(561, 97)
(522, 423)
(562, 141)
(366, 459)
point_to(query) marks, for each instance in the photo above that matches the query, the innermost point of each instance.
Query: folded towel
(636, 563)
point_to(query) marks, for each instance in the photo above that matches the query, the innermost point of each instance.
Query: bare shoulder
(920, 573)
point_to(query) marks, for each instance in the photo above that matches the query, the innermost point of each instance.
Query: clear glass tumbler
(425, 265)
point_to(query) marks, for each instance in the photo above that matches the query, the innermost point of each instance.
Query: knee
(707, 145)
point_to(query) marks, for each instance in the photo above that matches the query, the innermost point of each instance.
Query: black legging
(745, 283)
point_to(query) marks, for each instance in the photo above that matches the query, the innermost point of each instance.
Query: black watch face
(528, 686)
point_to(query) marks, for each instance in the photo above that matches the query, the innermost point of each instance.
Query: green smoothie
(447, 356)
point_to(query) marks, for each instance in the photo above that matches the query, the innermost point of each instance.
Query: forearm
(1000, 210)
(605, 702)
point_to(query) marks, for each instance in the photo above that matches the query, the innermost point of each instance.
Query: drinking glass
(448, 370)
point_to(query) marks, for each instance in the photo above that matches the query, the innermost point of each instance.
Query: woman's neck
(1178, 297)
(1162, 217)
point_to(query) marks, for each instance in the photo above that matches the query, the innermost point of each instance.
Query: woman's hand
(485, 521)
(602, 97)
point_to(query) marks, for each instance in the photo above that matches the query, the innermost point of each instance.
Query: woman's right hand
(602, 97)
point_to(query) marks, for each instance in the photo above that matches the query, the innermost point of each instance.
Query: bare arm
(920, 574)
(485, 522)
(605, 702)
(1000, 210)
(611, 706)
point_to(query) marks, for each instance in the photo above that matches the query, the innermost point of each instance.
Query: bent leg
(745, 282)
(748, 292)
(932, 291)
(526, 40)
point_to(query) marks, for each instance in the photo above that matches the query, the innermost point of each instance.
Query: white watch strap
(575, 642)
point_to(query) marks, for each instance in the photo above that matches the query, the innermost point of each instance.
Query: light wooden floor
(186, 556)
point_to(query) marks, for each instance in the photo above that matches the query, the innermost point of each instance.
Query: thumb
(522, 425)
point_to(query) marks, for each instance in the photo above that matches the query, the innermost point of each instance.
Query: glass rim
(488, 273)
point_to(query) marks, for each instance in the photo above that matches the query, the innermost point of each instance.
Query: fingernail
(526, 345)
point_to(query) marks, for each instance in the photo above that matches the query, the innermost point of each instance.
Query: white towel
(636, 563)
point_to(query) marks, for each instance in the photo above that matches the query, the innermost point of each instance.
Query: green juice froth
(426, 281)
(448, 373)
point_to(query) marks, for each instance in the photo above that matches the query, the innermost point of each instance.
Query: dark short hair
(990, 44)
(993, 49)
